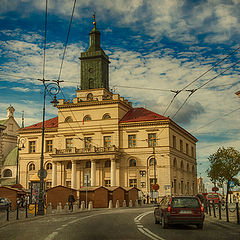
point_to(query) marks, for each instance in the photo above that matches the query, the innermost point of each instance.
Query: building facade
(99, 139)
(8, 148)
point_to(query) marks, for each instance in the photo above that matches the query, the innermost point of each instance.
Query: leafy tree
(224, 167)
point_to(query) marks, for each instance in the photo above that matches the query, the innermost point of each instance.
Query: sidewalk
(223, 223)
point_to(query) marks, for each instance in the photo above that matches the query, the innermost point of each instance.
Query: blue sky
(162, 45)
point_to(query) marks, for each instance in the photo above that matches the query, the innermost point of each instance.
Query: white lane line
(51, 236)
(154, 235)
(146, 234)
(143, 230)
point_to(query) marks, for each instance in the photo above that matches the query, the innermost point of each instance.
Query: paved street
(135, 223)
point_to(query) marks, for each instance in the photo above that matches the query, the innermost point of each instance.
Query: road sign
(231, 183)
(42, 173)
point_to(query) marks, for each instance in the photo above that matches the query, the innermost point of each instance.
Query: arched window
(106, 116)
(69, 165)
(175, 162)
(107, 163)
(132, 163)
(31, 167)
(87, 118)
(89, 97)
(152, 161)
(181, 164)
(88, 164)
(7, 173)
(49, 166)
(68, 119)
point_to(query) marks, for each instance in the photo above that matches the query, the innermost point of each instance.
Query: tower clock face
(90, 70)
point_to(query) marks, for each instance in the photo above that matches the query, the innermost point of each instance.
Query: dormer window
(87, 118)
(90, 97)
(106, 116)
(68, 119)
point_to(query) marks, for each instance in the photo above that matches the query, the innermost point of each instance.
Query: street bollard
(17, 218)
(26, 210)
(237, 209)
(227, 212)
(209, 208)
(214, 210)
(220, 210)
(8, 214)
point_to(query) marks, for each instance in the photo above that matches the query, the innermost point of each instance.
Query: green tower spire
(94, 63)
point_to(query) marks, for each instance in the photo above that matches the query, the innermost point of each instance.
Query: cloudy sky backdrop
(155, 47)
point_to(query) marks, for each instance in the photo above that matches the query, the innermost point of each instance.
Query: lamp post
(52, 89)
(20, 145)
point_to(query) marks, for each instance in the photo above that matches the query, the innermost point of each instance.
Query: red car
(186, 210)
(213, 197)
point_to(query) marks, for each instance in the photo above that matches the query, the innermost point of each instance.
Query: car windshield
(210, 196)
(215, 195)
(185, 203)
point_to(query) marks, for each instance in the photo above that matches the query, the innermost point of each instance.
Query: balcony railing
(93, 150)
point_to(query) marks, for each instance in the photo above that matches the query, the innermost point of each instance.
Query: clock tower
(94, 63)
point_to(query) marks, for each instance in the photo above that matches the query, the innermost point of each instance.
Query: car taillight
(169, 208)
(202, 209)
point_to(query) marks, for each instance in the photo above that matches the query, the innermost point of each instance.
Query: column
(54, 174)
(113, 173)
(78, 178)
(74, 170)
(93, 173)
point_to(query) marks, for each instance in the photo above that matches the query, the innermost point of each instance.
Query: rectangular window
(48, 185)
(69, 143)
(192, 152)
(143, 184)
(32, 146)
(49, 146)
(142, 173)
(131, 141)
(68, 184)
(87, 142)
(181, 145)
(152, 139)
(175, 186)
(107, 183)
(107, 141)
(132, 182)
(187, 150)
(174, 141)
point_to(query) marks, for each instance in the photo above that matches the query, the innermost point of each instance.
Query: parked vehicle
(186, 210)
(214, 197)
(5, 204)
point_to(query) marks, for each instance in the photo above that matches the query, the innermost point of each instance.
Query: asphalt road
(135, 223)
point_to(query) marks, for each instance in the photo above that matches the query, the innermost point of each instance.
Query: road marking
(143, 230)
(51, 236)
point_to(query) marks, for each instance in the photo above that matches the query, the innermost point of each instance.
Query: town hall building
(100, 139)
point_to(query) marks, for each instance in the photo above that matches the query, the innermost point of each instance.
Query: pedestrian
(71, 200)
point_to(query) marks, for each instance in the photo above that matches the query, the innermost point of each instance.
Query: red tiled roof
(51, 123)
(141, 114)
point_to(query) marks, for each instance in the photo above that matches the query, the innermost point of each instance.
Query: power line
(45, 41)
(224, 115)
(60, 71)
(194, 90)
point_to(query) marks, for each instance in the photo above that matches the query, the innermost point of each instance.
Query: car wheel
(164, 223)
(200, 226)
(156, 221)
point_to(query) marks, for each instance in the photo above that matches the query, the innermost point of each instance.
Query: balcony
(85, 151)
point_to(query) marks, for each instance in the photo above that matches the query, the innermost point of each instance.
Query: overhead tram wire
(224, 115)
(64, 52)
(194, 90)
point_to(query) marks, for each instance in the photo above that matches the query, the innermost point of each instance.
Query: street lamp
(52, 89)
(20, 145)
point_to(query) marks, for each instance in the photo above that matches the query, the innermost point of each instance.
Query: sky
(156, 47)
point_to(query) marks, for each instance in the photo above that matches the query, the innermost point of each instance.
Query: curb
(222, 223)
